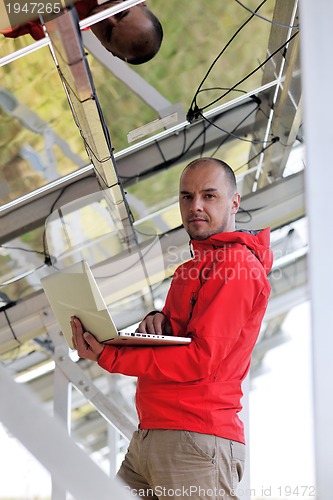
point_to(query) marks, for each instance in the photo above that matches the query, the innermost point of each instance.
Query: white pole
(317, 73)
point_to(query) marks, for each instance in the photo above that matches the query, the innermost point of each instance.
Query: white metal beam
(110, 411)
(76, 77)
(46, 438)
(317, 41)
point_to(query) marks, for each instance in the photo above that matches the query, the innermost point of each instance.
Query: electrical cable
(235, 128)
(242, 210)
(21, 276)
(191, 114)
(24, 250)
(11, 329)
(273, 141)
(91, 154)
(265, 18)
(231, 134)
(185, 150)
(198, 111)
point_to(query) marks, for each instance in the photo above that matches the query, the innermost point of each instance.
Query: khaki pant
(181, 464)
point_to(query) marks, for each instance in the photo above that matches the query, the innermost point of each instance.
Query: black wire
(11, 328)
(203, 139)
(186, 149)
(265, 18)
(240, 211)
(140, 257)
(45, 247)
(68, 86)
(192, 112)
(166, 163)
(157, 144)
(231, 134)
(234, 130)
(273, 141)
(24, 250)
(251, 73)
(207, 89)
(90, 152)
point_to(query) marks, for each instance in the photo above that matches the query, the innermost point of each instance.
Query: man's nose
(196, 205)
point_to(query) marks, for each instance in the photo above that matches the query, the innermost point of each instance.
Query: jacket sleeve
(223, 307)
(33, 28)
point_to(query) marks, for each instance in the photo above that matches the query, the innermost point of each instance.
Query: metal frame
(317, 72)
(46, 438)
(144, 158)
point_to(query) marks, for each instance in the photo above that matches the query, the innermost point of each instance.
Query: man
(134, 35)
(190, 440)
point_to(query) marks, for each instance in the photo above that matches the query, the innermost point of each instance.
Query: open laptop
(74, 292)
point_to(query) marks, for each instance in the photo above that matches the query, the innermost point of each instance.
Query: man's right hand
(85, 343)
(156, 324)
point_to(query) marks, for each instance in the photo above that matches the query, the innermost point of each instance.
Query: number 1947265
(33, 7)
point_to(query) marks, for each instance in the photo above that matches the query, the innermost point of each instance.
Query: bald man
(190, 440)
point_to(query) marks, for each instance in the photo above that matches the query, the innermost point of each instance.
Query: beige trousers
(182, 464)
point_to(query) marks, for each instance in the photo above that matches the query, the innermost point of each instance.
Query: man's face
(117, 33)
(207, 203)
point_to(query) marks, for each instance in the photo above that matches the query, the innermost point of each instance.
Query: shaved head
(229, 173)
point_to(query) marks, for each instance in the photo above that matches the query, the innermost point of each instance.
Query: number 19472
(298, 491)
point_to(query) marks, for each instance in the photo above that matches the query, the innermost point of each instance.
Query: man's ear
(235, 203)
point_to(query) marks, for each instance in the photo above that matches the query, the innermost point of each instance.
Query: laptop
(74, 292)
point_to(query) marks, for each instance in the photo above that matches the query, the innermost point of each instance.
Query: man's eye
(122, 14)
(108, 33)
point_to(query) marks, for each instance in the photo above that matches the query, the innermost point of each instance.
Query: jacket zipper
(192, 304)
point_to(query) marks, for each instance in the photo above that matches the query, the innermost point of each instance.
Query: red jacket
(35, 28)
(219, 299)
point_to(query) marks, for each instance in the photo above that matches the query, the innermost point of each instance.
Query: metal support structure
(29, 212)
(281, 103)
(69, 55)
(62, 408)
(46, 438)
(113, 438)
(317, 40)
(110, 411)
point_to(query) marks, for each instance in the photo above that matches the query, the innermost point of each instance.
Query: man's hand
(156, 323)
(85, 343)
